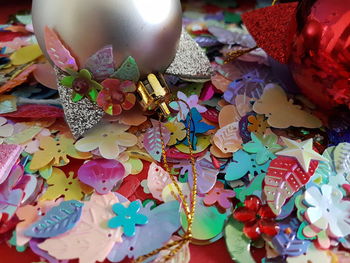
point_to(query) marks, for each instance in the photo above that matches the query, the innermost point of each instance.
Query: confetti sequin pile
(273, 170)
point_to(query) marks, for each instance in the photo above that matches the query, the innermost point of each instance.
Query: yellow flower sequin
(257, 124)
(55, 151)
(177, 132)
(107, 137)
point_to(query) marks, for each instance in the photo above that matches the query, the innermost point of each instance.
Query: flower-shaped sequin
(325, 210)
(219, 195)
(127, 217)
(82, 84)
(6, 129)
(107, 137)
(257, 218)
(257, 124)
(177, 132)
(183, 108)
(116, 96)
(264, 146)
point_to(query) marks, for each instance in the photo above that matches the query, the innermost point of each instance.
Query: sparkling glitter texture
(80, 116)
(190, 61)
(273, 29)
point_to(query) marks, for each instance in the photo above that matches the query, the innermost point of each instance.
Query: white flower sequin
(107, 137)
(327, 211)
(184, 109)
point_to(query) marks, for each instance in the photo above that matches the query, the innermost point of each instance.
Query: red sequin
(258, 219)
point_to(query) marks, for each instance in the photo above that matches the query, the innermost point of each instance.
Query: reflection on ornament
(320, 59)
(135, 40)
(313, 38)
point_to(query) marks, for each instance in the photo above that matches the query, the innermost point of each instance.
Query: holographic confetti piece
(101, 174)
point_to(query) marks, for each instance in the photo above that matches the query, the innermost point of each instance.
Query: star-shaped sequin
(302, 151)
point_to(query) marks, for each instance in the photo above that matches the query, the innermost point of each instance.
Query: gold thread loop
(175, 246)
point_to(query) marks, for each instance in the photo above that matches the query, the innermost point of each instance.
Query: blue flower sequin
(127, 217)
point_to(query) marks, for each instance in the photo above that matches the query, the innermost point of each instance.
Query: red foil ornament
(320, 59)
(319, 52)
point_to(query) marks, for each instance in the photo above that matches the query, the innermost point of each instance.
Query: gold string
(233, 55)
(190, 210)
(274, 2)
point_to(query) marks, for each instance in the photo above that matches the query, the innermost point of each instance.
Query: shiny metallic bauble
(148, 30)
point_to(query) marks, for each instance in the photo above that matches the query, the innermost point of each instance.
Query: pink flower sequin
(116, 96)
(219, 195)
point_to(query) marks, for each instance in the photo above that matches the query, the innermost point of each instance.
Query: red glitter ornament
(320, 61)
(273, 28)
(317, 48)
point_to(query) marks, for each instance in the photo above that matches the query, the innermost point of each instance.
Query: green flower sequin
(82, 84)
(264, 146)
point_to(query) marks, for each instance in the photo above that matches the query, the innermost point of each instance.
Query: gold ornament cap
(154, 93)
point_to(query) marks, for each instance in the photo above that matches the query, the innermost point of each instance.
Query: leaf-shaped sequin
(286, 242)
(28, 214)
(163, 221)
(24, 136)
(128, 70)
(207, 174)
(26, 54)
(342, 158)
(61, 185)
(91, 240)
(58, 220)
(285, 177)
(101, 64)
(242, 164)
(227, 139)
(56, 151)
(237, 243)
(157, 180)
(58, 53)
(152, 140)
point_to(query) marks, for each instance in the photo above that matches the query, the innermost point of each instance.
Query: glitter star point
(302, 151)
